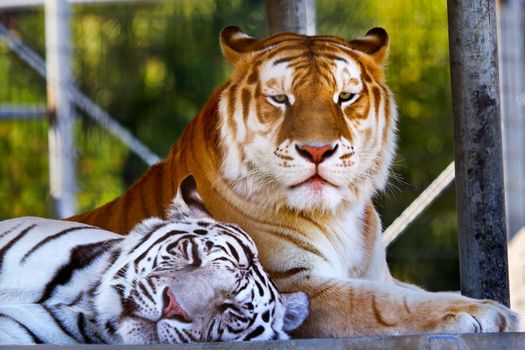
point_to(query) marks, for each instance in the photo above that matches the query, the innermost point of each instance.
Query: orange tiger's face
(306, 122)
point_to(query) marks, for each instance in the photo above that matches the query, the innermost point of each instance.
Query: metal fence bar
(491, 341)
(8, 112)
(23, 51)
(419, 204)
(91, 109)
(14, 4)
(296, 16)
(62, 159)
(103, 118)
(478, 156)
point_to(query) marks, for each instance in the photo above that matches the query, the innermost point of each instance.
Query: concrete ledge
(495, 341)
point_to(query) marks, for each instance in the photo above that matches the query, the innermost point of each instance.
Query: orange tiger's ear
(235, 43)
(375, 44)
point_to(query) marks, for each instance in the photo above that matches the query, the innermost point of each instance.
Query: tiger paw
(476, 316)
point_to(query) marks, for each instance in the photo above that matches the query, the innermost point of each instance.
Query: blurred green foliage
(153, 65)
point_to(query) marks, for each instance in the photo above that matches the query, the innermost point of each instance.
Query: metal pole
(61, 146)
(295, 16)
(477, 139)
(11, 112)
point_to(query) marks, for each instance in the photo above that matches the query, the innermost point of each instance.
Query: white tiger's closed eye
(225, 306)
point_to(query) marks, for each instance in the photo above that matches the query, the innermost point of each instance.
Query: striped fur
(292, 148)
(183, 280)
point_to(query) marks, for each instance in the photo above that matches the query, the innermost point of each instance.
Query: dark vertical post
(296, 16)
(477, 140)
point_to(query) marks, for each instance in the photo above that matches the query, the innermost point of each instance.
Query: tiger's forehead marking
(280, 74)
(276, 79)
(347, 76)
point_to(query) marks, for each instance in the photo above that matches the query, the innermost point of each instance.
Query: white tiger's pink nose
(172, 307)
(316, 154)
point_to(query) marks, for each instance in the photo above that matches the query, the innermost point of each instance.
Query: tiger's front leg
(360, 307)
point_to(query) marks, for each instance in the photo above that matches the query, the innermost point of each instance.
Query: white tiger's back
(47, 268)
(25, 247)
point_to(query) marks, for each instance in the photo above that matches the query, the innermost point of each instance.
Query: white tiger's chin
(324, 198)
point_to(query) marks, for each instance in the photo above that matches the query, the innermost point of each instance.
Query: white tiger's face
(306, 121)
(193, 280)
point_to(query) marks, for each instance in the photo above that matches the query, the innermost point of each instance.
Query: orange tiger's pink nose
(316, 154)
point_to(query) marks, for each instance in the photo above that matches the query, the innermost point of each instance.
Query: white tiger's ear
(187, 203)
(296, 305)
(375, 43)
(235, 42)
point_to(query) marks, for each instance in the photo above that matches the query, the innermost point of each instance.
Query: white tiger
(185, 279)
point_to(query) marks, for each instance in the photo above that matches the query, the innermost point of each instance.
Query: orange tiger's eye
(280, 98)
(345, 97)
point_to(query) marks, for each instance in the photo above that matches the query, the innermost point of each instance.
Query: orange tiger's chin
(314, 194)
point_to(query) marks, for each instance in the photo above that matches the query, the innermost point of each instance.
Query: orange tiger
(292, 148)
